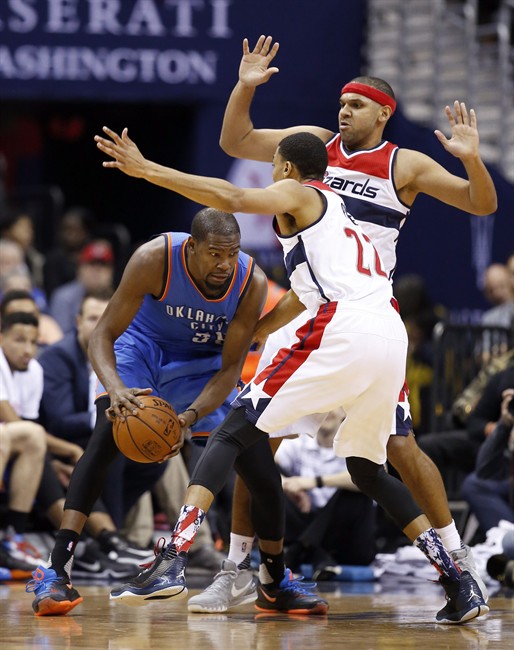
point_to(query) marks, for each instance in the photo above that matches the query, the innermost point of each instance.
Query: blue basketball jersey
(183, 321)
(174, 344)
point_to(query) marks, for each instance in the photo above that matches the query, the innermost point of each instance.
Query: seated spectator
(502, 314)
(73, 233)
(489, 490)
(328, 521)
(458, 449)
(95, 273)
(16, 225)
(67, 405)
(18, 297)
(21, 381)
(12, 263)
(22, 448)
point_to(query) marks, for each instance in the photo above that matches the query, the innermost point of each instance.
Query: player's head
(301, 156)
(366, 104)
(18, 339)
(213, 249)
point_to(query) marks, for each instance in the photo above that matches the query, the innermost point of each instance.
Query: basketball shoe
(464, 600)
(17, 547)
(464, 559)
(90, 562)
(120, 550)
(55, 595)
(291, 597)
(231, 587)
(164, 578)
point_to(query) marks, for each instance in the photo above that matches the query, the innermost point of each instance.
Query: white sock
(240, 547)
(450, 537)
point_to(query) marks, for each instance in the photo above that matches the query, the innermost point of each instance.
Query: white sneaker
(231, 587)
(463, 558)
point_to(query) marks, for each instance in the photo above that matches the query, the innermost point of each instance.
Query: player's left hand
(464, 140)
(175, 450)
(125, 152)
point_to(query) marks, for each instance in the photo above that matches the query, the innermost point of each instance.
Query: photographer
(489, 490)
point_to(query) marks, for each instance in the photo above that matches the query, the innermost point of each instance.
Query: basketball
(148, 436)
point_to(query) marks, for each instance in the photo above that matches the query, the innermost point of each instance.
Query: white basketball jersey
(333, 260)
(364, 179)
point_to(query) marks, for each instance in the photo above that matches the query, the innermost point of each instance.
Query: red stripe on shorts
(288, 360)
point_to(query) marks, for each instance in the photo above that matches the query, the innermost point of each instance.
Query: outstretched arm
(238, 137)
(286, 309)
(419, 173)
(284, 196)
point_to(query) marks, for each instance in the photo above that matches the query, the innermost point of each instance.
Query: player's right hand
(254, 68)
(124, 402)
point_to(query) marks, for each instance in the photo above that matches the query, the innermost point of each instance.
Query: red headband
(370, 92)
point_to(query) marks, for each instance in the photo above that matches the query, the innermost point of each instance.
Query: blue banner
(152, 50)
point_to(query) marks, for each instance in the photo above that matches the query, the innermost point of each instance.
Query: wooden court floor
(360, 618)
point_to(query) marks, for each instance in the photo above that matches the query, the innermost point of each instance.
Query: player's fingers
(104, 145)
(266, 46)
(112, 134)
(458, 112)
(450, 116)
(273, 52)
(258, 45)
(441, 137)
(472, 118)
(464, 113)
(110, 414)
(246, 47)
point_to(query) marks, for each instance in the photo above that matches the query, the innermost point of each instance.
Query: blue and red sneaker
(290, 597)
(55, 595)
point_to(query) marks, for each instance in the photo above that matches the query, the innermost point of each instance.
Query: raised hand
(254, 69)
(464, 139)
(127, 156)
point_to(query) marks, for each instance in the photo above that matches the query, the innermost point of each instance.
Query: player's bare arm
(143, 275)
(286, 309)
(284, 196)
(415, 172)
(238, 137)
(235, 347)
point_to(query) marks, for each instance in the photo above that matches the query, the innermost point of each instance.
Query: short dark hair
(103, 295)
(14, 294)
(307, 152)
(18, 318)
(376, 82)
(210, 221)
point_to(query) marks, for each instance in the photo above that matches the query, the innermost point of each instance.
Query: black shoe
(291, 597)
(90, 562)
(119, 550)
(464, 600)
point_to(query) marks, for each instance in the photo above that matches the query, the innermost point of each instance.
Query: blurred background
(165, 69)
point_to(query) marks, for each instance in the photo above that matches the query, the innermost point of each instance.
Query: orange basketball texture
(148, 436)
